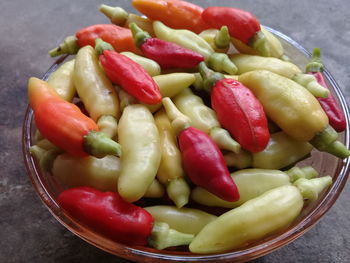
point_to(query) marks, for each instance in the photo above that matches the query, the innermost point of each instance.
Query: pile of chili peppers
(146, 110)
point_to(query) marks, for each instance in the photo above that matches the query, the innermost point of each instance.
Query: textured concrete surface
(28, 232)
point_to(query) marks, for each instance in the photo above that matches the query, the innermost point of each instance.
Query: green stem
(45, 157)
(259, 42)
(68, 46)
(311, 188)
(162, 237)
(209, 76)
(178, 191)
(222, 38)
(101, 46)
(139, 35)
(99, 145)
(306, 172)
(315, 64)
(326, 141)
(310, 83)
(117, 15)
(222, 63)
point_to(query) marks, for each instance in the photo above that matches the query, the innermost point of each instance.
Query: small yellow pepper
(170, 172)
(139, 138)
(62, 80)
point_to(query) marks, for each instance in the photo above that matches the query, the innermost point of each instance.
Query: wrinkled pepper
(63, 123)
(109, 215)
(204, 118)
(185, 220)
(246, 63)
(202, 160)
(252, 183)
(295, 110)
(259, 217)
(238, 110)
(189, 40)
(166, 54)
(62, 80)
(329, 105)
(241, 24)
(139, 138)
(170, 172)
(94, 88)
(119, 37)
(175, 14)
(131, 76)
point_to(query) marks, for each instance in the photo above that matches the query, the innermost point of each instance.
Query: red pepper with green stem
(166, 54)
(237, 109)
(64, 125)
(131, 76)
(203, 161)
(109, 215)
(329, 105)
(241, 24)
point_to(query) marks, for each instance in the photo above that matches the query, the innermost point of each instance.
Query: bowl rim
(249, 253)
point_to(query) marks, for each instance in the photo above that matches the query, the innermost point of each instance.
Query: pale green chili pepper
(152, 67)
(246, 63)
(93, 87)
(139, 138)
(108, 125)
(204, 118)
(259, 217)
(253, 182)
(190, 40)
(62, 80)
(185, 220)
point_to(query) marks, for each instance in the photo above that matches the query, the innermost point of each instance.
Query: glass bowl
(48, 189)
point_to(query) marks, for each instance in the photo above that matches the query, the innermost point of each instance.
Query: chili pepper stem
(306, 172)
(101, 46)
(162, 237)
(326, 141)
(259, 43)
(224, 140)
(178, 191)
(99, 145)
(139, 35)
(117, 15)
(179, 121)
(68, 46)
(310, 83)
(45, 157)
(209, 76)
(315, 64)
(311, 188)
(222, 38)
(221, 62)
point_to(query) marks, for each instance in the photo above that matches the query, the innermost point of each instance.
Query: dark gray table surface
(28, 29)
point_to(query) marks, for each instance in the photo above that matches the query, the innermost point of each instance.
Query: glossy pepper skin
(166, 54)
(108, 214)
(329, 105)
(130, 76)
(241, 24)
(175, 14)
(62, 122)
(205, 165)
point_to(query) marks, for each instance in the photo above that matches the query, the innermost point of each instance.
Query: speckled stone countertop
(28, 232)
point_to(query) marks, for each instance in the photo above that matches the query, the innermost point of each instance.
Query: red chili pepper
(63, 124)
(119, 37)
(241, 24)
(109, 215)
(131, 76)
(238, 111)
(205, 165)
(329, 105)
(167, 54)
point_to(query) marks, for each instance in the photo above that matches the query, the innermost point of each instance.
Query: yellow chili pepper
(170, 172)
(149, 65)
(185, 220)
(62, 80)
(94, 88)
(204, 118)
(266, 214)
(139, 138)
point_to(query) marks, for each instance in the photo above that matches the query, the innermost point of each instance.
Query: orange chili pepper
(64, 125)
(175, 14)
